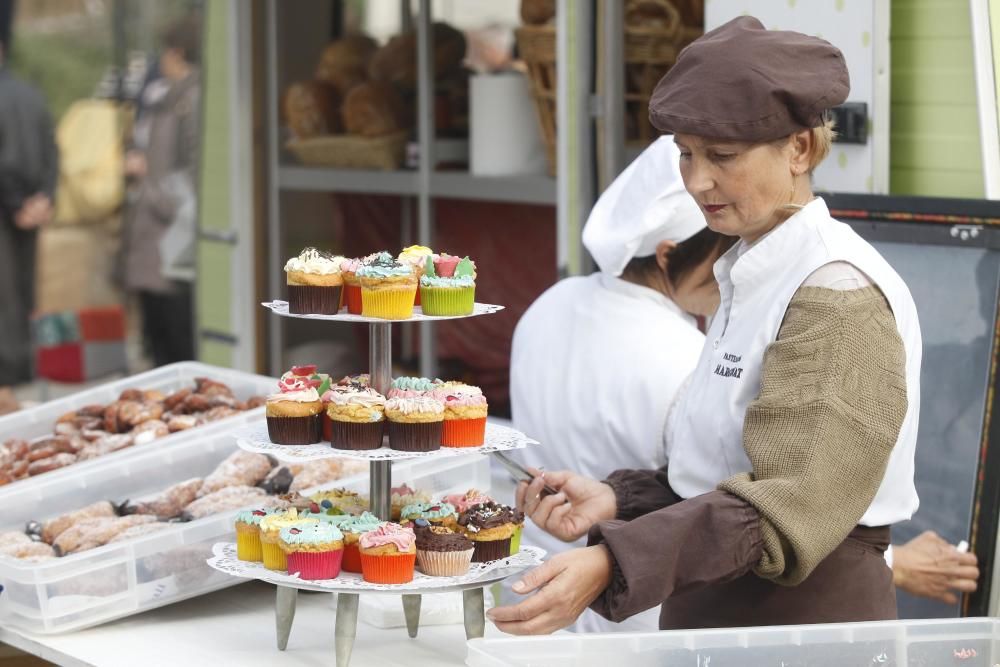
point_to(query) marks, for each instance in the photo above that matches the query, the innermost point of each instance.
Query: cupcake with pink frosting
(463, 502)
(465, 410)
(294, 411)
(388, 554)
(352, 285)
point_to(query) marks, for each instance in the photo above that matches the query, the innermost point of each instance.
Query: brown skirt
(853, 583)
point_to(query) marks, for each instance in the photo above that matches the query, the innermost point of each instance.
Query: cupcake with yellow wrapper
(414, 423)
(465, 410)
(313, 550)
(388, 288)
(270, 528)
(415, 256)
(248, 546)
(356, 417)
(314, 282)
(448, 286)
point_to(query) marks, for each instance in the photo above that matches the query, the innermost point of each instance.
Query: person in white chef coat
(596, 361)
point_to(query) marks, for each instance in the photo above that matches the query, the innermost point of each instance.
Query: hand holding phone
(520, 474)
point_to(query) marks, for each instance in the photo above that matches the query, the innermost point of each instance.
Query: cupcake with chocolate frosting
(441, 552)
(490, 526)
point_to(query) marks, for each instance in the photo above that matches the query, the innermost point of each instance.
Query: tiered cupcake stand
(498, 438)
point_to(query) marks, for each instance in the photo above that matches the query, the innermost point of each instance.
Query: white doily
(281, 308)
(255, 439)
(224, 560)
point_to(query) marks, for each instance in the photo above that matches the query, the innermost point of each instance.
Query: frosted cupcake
(314, 550)
(465, 410)
(388, 554)
(490, 526)
(401, 496)
(414, 423)
(294, 413)
(248, 546)
(409, 387)
(466, 501)
(356, 416)
(415, 256)
(352, 285)
(438, 514)
(349, 502)
(442, 552)
(314, 282)
(387, 288)
(353, 529)
(448, 286)
(270, 528)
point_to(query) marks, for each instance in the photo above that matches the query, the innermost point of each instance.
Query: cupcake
(387, 288)
(352, 285)
(270, 529)
(326, 512)
(490, 526)
(248, 546)
(465, 411)
(314, 282)
(401, 496)
(441, 552)
(314, 550)
(356, 417)
(408, 387)
(388, 554)
(466, 501)
(294, 414)
(364, 379)
(448, 287)
(415, 256)
(437, 514)
(414, 423)
(353, 529)
(349, 502)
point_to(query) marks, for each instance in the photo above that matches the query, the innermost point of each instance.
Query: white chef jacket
(756, 283)
(595, 364)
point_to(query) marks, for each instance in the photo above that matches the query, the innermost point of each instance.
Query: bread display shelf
(480, 574)
(281, 308)
(255, 439)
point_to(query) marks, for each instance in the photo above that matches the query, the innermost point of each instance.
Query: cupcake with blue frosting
(314, 550)
(388, 287)
(448, 286)
(353, 529)
(438, 514)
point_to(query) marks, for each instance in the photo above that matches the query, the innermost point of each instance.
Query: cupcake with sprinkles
(448, 286)
(314, 282)
(294, 413)
(313, 550)
(356, 414)
(442, 552)
(490, 526)
(388, 288)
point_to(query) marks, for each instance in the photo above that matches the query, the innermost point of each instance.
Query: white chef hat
(646, 204)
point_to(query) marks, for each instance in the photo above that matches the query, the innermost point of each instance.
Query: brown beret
(744, 82)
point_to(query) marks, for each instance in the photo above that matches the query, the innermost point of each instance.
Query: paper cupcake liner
(444, 563)
(295, 430)
(313, 300)
(406, 437)
(352, 297)
(491, 550)
(248, 546)
(352, 558)
(354, 436)
(327, 426)
(315, 565)
(416, 298)
(463, 432)
(515, 541)
(389, 569)
(273, 557)
(448, 300)
(387, 304)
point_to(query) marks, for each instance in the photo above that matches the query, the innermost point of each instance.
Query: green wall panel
(216, 353)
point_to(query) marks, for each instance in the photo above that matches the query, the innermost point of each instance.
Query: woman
(791, 452)
(607, 352)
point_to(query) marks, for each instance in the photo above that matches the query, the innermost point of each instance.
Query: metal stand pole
(380, 369)
(346, 628)
(284, 614)
(474, 607)
(411, 611)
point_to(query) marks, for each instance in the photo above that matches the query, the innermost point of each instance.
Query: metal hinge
(965, 232)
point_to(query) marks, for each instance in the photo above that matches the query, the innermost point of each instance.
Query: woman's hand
(566, 585)
(930, 567)
(579, 504)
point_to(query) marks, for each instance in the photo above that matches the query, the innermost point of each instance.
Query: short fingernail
(518, 586)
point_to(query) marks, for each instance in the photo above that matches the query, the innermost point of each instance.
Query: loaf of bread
(344, 63)
(537, 12)
(310, 108)
(374, 110)
(396, 62)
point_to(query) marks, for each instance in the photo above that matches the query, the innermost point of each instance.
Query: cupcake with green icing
(438, 514)
(314, 550)
(353, 529)
(448, 286)
(411, 387)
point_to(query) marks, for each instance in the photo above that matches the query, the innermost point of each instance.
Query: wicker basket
(349, 151)
(649, 53)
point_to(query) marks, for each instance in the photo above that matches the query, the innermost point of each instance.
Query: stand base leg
(284, 614)
(346, 628)
(411, 610)
(474, 605)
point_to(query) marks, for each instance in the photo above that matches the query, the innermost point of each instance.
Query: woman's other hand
(579, 504)
(566, 584)
(930, 567)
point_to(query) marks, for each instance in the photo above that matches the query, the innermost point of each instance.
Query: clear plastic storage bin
(116, 580)
(40, 420)
(969, 642)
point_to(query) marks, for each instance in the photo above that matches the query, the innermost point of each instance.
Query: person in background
(165, 174)
(29, 169)
(596, 360)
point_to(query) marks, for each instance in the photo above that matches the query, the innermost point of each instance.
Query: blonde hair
(823, 137)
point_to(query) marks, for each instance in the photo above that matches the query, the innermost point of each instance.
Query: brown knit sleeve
(639, 492)
(819, 435)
